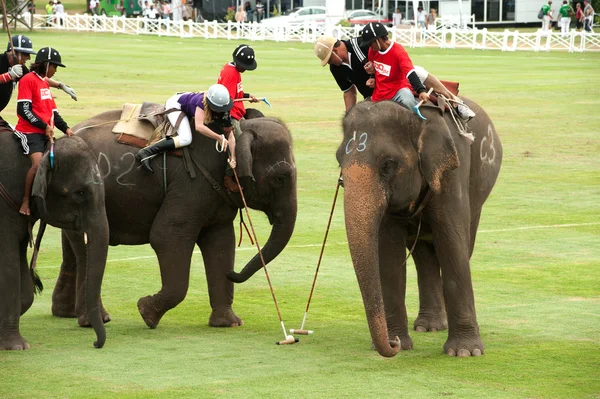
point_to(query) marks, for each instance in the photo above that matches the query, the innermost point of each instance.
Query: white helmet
(218, 98)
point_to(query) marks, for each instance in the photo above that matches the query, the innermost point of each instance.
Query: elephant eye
(278, 181)
(388, 168)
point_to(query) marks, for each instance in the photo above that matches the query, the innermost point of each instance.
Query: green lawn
(536, 266)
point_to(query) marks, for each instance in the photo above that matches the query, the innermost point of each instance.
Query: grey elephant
(404, 178)
(69, 196)
(187, 212)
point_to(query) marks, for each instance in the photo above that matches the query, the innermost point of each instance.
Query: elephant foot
(83, 320)
(224, 318)
(406, 342)
(149, 312)
(463, 347)
(431, 323)
(14, 342)
(61, 310)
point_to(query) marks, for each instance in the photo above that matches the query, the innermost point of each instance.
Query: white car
(363, 17)
(298, 16)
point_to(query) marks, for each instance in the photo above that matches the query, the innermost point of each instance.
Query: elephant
(187, 212)
(69, 196)
(416, 184)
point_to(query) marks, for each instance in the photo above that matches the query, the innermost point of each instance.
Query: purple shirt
(189, 102)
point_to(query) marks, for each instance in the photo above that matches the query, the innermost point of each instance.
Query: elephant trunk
(364, 204)
(284, 221)
(96, 250)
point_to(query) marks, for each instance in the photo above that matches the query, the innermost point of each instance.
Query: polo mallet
(416, 107)
(52, 143)
(302, 331)
(289, 339)
(263, 99)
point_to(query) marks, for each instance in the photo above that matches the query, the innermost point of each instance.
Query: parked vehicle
(363, 17)
(129, 8)
(298, 16)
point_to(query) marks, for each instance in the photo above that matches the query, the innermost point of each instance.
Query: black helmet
(21, 44)
(48, 54)
(243, 56)
(372, 31)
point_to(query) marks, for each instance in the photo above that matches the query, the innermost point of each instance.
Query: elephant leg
(451, 238)
(170, 240)
(26, 281)
(68, 298)
(474, 227)
(218, 252)
(392, 273)
(64, 296)
(10, 294)
(432, 312)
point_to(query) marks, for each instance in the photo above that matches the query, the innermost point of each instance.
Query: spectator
(94, 7)
(248, 9)
(240, 15)
(546, 16)
(588, 13)
(564, 13)
(579, 17)
(59, 12)
(49, 12)
(260, 10)
(431, 18)
(397, 18)
(421, 18)
(166, 10)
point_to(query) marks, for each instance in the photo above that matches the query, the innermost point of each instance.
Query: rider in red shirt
(395, 75)
(37, 114)
(231, 78)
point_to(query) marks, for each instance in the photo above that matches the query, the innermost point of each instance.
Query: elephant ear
(437, 154)
(42, 177)
(244, 148)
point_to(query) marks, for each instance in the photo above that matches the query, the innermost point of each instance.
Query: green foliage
(535, 266)
(230, 16)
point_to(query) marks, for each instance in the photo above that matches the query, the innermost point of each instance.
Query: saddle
(143, 124)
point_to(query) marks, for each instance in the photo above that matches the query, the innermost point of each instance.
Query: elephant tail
(38, 286)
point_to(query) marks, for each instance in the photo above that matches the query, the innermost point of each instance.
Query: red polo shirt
(34, 88)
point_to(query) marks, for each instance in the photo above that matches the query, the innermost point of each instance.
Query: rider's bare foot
(25, 209)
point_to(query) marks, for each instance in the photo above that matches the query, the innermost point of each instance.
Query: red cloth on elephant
(232, 80)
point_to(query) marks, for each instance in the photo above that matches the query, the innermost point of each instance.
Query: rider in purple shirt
(194, 105)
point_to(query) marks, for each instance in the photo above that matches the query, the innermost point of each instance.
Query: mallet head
(301, 332)
(288, 341)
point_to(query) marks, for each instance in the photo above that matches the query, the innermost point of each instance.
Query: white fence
(444, 37)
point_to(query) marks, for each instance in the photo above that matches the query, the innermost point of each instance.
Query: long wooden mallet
(289, 339)
(301, 330)
(263, 99)
(7, 27)
(416, 107)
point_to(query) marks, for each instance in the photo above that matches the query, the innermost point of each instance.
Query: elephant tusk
(288, 341)
(301, 332)
(85, 239)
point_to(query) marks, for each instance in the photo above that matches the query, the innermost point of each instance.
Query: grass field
(536, 266)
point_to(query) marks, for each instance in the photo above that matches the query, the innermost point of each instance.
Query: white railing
(444, 37)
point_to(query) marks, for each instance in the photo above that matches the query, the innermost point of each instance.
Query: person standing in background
(397, 18)
(588, 13)
(565, 12)
(546, 16)
(260, 10)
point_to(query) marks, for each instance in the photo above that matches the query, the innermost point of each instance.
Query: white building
(488, 12)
